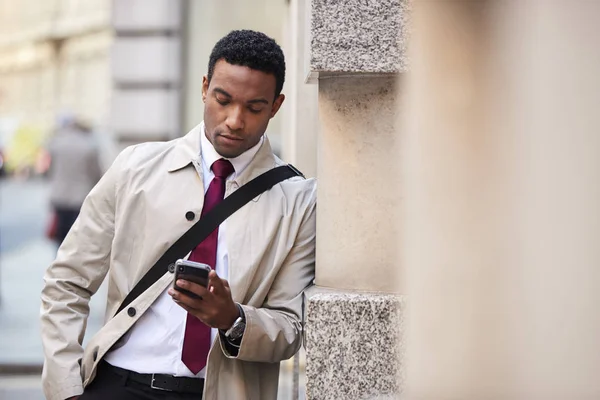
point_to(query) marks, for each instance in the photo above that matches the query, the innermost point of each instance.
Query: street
(25, 253)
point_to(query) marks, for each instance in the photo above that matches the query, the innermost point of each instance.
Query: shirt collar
(240, 163)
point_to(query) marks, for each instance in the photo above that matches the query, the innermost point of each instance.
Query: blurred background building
(54, 58)
(131, 69)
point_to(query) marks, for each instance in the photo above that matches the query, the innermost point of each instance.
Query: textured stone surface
(358, 36)
(353, 345)
(358, 156)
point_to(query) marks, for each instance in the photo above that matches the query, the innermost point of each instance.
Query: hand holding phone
(191, 271)
(214, 306)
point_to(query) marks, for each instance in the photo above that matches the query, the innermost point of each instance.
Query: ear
(204, 87)
(277, 104)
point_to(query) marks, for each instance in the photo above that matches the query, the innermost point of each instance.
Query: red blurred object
(52, 228)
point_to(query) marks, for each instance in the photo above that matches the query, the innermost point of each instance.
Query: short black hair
(253, 50)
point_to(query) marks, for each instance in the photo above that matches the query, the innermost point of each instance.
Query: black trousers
(110, 386)
(65, 219)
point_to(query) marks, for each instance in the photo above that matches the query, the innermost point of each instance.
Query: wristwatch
(235, 333)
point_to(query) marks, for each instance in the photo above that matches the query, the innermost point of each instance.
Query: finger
(191, 304)
(215, 284)
(224, 290)
(194, 311)
(193, 287)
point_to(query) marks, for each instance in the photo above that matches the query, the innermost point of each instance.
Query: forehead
(241, 81)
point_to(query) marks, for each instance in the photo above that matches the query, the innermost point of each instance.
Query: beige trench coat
(130, 219)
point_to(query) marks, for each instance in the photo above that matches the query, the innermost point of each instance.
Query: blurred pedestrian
(74, 170)
(226, 343)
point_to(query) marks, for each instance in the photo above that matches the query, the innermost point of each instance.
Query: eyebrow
(253, 101)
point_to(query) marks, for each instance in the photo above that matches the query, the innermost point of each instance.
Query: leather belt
(165, 382)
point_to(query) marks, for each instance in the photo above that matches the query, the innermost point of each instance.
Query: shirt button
(190, 216)
(131, 312)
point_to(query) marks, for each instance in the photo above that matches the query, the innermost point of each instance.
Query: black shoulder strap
(208, 223)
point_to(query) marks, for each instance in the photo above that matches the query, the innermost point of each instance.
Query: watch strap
(241, 310)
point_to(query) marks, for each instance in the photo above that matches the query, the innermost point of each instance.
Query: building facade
(54, 57)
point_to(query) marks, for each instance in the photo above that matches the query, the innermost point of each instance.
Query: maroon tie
(196, 342)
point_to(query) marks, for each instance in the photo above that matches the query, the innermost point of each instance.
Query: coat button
(190, 216)
(131, 312)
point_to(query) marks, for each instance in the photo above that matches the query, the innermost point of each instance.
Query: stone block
(354, 344)
(358, 36)
(146, 59)
(144, 15)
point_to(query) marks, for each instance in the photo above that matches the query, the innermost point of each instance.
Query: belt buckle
(157, 387)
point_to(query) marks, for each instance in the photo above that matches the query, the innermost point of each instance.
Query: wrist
(235, 314)
(234, 334)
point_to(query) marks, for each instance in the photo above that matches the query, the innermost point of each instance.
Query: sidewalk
(20, 287)
(21, 282)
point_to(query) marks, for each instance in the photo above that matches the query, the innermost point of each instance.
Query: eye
(254, 110)
(222, 102)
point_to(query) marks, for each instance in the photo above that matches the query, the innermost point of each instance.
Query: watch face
(237, 330)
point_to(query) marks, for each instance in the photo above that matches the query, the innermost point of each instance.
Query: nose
(235, 119)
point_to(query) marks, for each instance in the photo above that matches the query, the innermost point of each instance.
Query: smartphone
(191, 271)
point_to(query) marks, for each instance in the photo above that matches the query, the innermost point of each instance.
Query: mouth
(230, 139)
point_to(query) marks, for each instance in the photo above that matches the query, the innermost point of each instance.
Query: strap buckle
(153, 385)
(296, 170)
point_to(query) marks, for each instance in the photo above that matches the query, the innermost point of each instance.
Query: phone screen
(191, 273)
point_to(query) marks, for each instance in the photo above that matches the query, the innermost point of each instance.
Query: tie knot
(222, 168)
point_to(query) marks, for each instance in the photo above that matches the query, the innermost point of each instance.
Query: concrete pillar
(501, 169)
(147, 70)
(354, 314)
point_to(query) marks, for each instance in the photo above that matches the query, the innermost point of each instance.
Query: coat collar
(187, 150)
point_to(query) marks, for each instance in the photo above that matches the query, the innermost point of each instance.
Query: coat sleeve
(273, 332)
(75, 275)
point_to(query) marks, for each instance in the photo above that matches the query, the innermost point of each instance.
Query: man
(152, 194)
(74, 170)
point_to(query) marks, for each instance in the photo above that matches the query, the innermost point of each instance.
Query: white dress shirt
(154, 343)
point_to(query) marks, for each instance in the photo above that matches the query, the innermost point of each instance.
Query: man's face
(238, 104)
